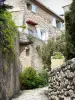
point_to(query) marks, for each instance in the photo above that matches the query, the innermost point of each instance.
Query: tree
(47, 50)
(60, 44)
(70, 32)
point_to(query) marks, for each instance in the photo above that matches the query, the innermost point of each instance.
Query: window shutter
(54, 22)
(38, 33)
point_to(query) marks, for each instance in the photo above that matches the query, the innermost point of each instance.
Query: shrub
(29, 79)
(44, 78)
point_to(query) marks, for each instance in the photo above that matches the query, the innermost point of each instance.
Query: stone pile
(62, 82)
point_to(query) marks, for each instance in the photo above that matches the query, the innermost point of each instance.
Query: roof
(48, 10)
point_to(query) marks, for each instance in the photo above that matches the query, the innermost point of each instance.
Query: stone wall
(62, 82)
(9, 76)
(36, 60)
(32, 59)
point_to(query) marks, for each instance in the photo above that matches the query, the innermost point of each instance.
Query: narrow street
(36, 94)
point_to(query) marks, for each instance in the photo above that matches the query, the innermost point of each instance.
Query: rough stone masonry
(62, 82)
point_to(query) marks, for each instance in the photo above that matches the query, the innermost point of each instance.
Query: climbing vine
(8, 33)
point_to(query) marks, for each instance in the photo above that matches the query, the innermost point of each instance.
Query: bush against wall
(29, 79)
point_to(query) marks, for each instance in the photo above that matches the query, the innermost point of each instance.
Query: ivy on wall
(8, 32)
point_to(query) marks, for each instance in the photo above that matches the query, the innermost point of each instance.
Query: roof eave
(47, 10)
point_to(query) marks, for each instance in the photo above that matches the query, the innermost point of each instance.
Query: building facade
(40, 22)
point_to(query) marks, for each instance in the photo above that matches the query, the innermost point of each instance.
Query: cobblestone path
(36, 94)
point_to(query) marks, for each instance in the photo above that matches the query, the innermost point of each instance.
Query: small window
(29, 6)
(58, 24)
(27, 52)
(34, 8)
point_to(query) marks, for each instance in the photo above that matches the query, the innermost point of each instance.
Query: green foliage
(57, 55)
(49, 48)
(23, 26)
(5, 6)
(8, 32)
(29, 79)
(46, 52)
(43, 78)
(30, 38)
(70, 32)
(60, 44)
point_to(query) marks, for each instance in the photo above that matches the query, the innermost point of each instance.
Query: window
(31, 7)
(27, 51)
(34, 8)
(30, 32)
(58, 24)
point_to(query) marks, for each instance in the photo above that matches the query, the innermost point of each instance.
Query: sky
(56, 5)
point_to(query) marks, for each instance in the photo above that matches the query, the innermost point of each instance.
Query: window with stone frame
(31, 7)
(34, 8)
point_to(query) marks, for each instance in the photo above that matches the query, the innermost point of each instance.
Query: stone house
(41, 22)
